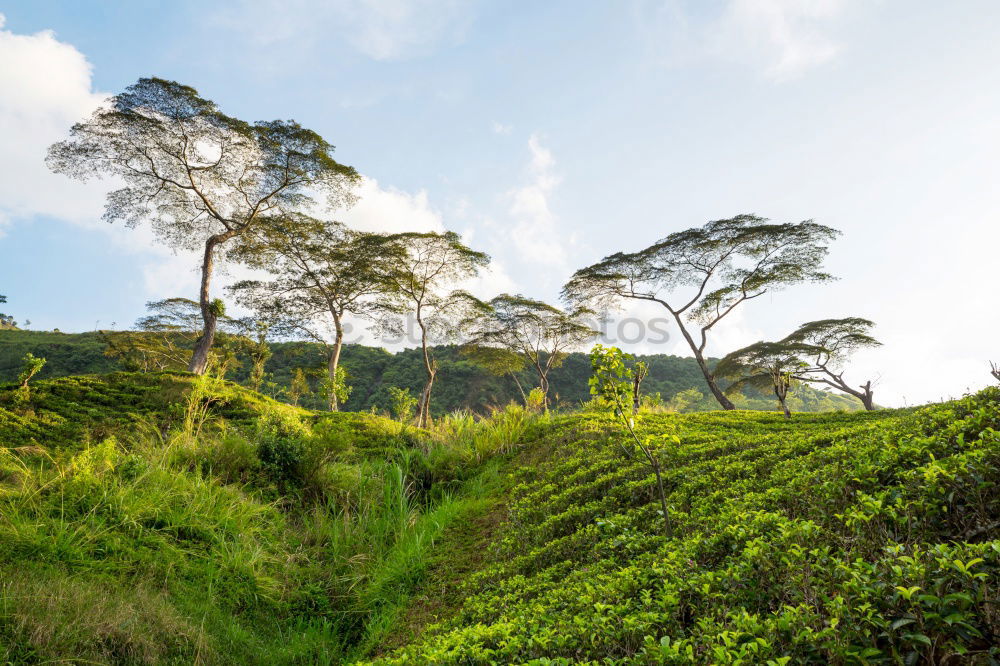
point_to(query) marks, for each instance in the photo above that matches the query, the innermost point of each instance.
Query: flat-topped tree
(541, 333)
(766, 365)
(323, 271)
(423, 283)
(702, 275)
(201, 178)
(835, 340)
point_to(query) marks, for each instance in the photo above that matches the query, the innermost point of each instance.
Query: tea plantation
(836, 538)
(169, 519)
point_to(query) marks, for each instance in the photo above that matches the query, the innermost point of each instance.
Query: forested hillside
(463, 384)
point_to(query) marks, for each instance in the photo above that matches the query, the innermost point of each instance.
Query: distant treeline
(371, 371)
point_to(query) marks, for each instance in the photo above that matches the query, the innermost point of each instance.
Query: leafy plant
(615, 384)
(31, 367)
(401, 404)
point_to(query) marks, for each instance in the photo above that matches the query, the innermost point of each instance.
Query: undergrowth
(168, 519)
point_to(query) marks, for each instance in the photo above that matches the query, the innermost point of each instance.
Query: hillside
(160, 518)
(461, 384)
(841, 538)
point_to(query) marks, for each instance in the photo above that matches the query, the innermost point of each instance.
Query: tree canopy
(540, 333)
(834, 341)
(703, 274)
(423, 283)
(322, 272)
(200, 177)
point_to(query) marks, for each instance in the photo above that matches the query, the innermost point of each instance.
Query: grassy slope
(274, 536)
(836, 538)
(833, 538)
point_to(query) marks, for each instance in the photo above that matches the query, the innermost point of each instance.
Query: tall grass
(285, 541)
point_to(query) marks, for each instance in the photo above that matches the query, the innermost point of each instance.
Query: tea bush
(861, 538)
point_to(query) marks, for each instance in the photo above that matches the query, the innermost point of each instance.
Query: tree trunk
(517, 381)
(667, 531)
(424, 420)
(866, 397)
(332, 364)
(713, 385)
(781, 392)
(199, 359)
(635, 394)
(543, 384)
(424, 417)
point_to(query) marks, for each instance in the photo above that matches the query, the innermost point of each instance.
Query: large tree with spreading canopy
(701, 275)
(322, 272)
(833, 342)
(766, 365)
(424, 283)
(202, 178)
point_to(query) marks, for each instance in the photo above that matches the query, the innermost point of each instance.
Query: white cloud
(535, 230)
(502, 128)
(380, 29)
(781, 38)
(390, 210)
(45, 87)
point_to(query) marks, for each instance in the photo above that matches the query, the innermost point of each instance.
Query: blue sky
(551, 134)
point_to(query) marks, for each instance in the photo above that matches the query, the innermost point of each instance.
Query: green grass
(169, 519)
(149, 519)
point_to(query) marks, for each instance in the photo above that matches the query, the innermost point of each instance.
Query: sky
(552, 134)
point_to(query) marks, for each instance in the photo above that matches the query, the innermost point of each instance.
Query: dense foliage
(838, 538)
(372, 372)
(160, 518)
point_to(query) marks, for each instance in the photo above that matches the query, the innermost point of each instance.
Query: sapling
(402, 404)
(32, 365)
(614, 383)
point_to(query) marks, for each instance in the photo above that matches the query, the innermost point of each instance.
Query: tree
(163, 339)
(834, 340)
(995, 371)
(764, 365)
(32, 365)
(253, 335)
(612, 383)
(541, 333)
(721, 265)
(499, 362)
(401, 404)
(299, 386)
(639, 372)
(422, 283)
(6, 321)
(203, 179)
(323, 272)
